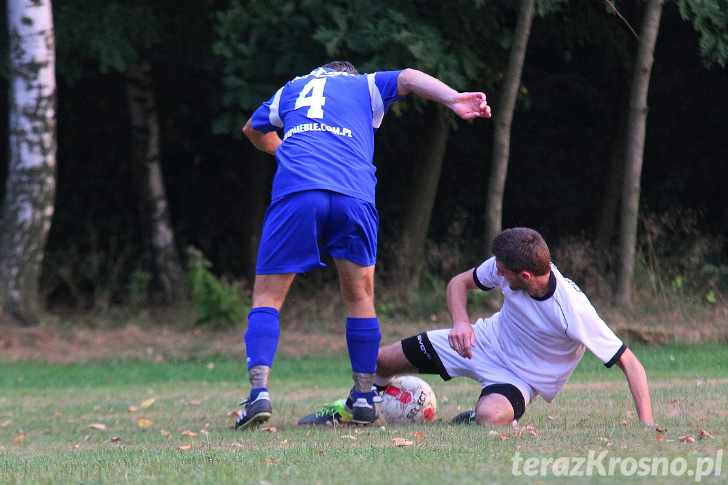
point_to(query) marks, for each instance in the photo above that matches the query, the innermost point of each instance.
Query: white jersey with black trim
(543, 339)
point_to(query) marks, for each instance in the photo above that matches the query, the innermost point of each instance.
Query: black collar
(551, 291)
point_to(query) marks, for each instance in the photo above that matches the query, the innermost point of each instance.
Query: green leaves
(710, 19)
(216, 300)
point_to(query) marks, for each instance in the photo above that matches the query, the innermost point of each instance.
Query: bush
(216, 300)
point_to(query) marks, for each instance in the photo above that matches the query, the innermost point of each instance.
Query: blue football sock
(261, 338)
(362, 339)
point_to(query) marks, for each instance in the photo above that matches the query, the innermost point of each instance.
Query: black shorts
(420, 353)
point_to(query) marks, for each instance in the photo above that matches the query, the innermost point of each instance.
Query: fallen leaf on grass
(704, 434)
(6, 423)
(660, 437)
(686, 439)
(236, 413)
(660, 430)
(348, 437)
(402, 442)
(184, 447)
(148, 403)
(19, 439)
(145, 423)
(132, 409)
(115, 439)
(675, 410)
(100, 426)
(270, 429)
(503, 437)
(165, 433)
(419, 436)
(188, 433)
(268, 461)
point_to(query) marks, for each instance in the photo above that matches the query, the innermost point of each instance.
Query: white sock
(381, 381)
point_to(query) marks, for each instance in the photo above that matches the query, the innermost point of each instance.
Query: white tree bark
(31, 183)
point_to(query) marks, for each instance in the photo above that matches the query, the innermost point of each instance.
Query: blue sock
(362, 339)
(261, 338)
(254, 392)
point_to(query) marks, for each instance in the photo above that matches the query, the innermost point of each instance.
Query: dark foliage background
(573, 89)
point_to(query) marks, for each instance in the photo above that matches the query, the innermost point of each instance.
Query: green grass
(190, 440)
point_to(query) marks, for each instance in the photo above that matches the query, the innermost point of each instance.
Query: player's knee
(494, 410)
(494, 419)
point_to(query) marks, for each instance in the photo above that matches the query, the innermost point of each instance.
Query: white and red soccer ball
(408, 399)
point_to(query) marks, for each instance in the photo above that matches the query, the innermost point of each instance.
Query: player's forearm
(266, 142)
(466, 105)
(457, 298)
(637, 380)
(414, 81)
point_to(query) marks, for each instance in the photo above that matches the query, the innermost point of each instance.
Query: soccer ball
(408, 399)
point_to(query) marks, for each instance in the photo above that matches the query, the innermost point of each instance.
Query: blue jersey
(328, 120)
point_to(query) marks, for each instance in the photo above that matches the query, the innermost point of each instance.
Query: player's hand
(471, 105)
(462, 339)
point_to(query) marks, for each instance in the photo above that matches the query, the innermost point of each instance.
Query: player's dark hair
(341, 66)
(522, 249)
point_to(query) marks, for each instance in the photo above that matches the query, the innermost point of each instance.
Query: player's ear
(526, 275)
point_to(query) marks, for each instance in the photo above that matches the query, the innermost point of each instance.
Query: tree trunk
(635, 150)
(257, 200)
(605, 227)
(30, 190)
(158, 236)
(503, 118)
(421, 200)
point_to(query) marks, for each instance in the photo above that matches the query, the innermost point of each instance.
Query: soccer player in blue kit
(323, 190)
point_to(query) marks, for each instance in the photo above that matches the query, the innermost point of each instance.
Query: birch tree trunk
(30, 190)
(159, 243)
(635, 150)
(503, 118)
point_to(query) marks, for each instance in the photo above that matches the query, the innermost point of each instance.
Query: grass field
(170, 422)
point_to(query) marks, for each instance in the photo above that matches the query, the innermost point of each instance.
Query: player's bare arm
(637, 380)
(465, 105)
(461, 337)
(266, 142)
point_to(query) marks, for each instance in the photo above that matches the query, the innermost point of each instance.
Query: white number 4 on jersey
(312, 95)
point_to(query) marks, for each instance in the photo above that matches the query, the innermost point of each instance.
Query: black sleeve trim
(616, 357)
(477, 281)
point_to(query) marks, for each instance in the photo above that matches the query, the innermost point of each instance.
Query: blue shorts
(295, 224)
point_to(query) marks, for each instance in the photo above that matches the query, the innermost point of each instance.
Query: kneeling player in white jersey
(529, 348)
